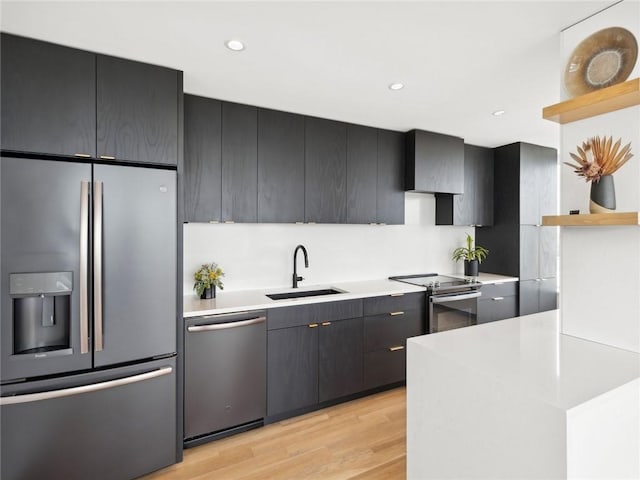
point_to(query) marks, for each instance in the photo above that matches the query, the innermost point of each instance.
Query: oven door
(454, 310)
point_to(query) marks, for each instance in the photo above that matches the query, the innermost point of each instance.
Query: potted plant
(207, 278)
(472, 256)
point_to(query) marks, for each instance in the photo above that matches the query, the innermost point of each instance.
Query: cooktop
(436, 282)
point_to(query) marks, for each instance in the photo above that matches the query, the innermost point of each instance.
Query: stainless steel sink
(303, 293)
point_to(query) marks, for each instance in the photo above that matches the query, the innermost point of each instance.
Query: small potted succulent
(207, 278)
(472, 256)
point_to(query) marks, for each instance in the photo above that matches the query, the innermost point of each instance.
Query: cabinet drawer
(492, 290)
(394, 303)
(383, 367)
(384, 331)
(502, 307)
(314, 313)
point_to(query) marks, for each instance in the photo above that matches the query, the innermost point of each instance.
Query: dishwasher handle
(224, 326)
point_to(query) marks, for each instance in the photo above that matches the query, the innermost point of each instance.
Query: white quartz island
(517, 399)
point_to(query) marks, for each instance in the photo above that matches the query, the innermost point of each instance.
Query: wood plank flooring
(362, 439)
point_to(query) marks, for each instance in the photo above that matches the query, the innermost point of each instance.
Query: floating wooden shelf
(606, 100)
(592, 220)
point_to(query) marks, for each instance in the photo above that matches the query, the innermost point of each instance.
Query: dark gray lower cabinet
(340, 358)
(385, 341)
(292, 369)
(498, 301)
(116, 431)
(325, 351)
(538, 295)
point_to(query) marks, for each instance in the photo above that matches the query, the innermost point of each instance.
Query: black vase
(603, 195)
(208, 293)
(471, 268)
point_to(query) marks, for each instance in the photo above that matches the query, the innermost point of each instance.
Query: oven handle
(453, 298)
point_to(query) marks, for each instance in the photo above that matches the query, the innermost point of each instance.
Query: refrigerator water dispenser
(41, 311)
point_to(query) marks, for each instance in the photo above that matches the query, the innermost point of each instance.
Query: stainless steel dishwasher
(225, 375)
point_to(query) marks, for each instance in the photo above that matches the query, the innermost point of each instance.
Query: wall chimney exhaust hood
(435, 163)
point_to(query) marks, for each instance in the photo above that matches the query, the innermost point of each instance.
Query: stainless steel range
(451, 302)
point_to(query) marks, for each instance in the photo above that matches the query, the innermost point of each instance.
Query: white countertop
(487, 278)
(227, 302)
(531, 355)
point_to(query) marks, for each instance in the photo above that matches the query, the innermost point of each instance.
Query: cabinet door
(280, 167)
(435, 162)
(548, 252)
(137, 111)
(538, 186)
(528, 297)
(239, 163)
(464, 205)
(340, 358)
(483, 211)
(202, 159)
(325, 171)
(292, 369)
(548, 294)
(48, 98)
(547, 185)
(390, 188)
(529, 252)
(362, 174)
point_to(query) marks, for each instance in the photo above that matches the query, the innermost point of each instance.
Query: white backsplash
(261, 255)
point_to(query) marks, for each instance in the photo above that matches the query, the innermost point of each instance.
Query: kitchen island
(518, 399)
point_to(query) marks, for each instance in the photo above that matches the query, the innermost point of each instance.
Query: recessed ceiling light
(235, 45)
(498, 113)
(396, 86)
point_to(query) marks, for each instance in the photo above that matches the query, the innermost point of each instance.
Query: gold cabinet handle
(312, 325)
(107, 157)
(396, 348)
(393, 314)
(229, 221)
(325, 324)
(397, 295)
(82, 155)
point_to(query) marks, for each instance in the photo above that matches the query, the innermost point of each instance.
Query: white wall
(600, 266)
(261, 255)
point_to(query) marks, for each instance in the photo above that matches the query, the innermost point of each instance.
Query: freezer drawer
(225, 372)
(108, 425)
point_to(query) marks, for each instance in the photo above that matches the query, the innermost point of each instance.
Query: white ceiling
(459, 61)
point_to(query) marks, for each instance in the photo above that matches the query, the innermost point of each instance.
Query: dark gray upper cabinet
(390, 186)
(325, 171)
(435, 162)
(362, 174)
(525, 176)
(280, 167)
(202, 159)
(239, 163)
(48, 98)
(137, 111)
(475, 206)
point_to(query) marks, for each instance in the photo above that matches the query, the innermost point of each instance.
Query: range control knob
(437, 284)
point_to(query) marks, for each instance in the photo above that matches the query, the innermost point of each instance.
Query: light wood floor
(362, 439)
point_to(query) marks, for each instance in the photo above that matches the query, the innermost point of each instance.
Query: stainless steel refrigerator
(88, 305)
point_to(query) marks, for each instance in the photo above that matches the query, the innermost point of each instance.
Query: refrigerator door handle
(97, 266)
(84, 267)
(94, 387)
